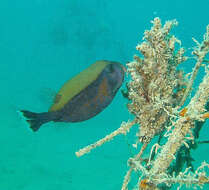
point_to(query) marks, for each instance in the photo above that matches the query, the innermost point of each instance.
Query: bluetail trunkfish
(82, 97)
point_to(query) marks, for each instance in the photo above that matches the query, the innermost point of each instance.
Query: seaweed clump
(157, 87)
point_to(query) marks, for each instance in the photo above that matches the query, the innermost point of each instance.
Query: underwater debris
(157, 92)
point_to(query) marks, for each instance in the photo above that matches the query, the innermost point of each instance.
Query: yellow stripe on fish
(75, 85)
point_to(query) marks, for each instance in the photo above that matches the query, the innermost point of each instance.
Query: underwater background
(44, 43)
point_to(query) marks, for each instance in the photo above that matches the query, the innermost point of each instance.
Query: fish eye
(111, 68)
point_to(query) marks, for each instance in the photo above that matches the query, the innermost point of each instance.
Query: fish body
(83, 96)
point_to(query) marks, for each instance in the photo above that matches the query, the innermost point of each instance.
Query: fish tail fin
(34, 119)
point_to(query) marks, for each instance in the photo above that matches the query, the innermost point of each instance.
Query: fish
(83, 96)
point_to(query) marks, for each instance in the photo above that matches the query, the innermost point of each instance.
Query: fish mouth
(124, 69)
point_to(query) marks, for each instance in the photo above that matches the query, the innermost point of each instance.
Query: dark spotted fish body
(83, 96)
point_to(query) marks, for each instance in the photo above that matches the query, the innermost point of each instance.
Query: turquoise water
(42, 44)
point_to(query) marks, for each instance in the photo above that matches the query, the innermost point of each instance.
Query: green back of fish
(75, 85)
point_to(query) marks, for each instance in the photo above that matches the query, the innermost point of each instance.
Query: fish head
(115, 75)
